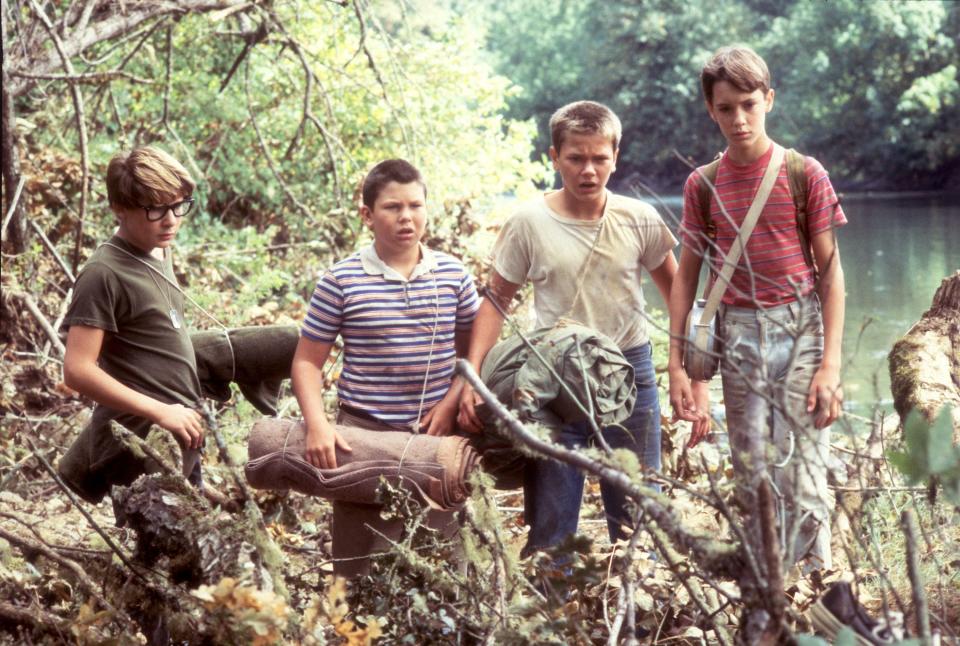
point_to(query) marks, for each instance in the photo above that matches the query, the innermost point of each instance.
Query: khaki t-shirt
(551, 250)
(142, 348)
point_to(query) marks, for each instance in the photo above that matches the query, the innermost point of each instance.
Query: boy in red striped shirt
(781, 319)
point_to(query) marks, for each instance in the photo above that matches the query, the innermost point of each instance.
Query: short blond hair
(585, 118)
(739, 66)
(146, 176)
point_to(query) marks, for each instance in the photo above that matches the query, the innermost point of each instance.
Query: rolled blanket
(434, 468)
(589, 363)
(259, 362)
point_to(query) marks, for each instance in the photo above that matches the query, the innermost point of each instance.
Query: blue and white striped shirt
(392, 328)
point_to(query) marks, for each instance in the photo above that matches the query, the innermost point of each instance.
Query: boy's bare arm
(82, 373)
(306, 375)
(689, 401)
(486, 332)
(663, 276)
(825, 396)
(696, 402)
(441, 419)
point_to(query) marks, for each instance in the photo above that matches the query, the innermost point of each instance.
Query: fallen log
(925, 363)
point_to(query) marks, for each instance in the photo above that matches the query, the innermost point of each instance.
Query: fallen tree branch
(37, 618)
(28, 545)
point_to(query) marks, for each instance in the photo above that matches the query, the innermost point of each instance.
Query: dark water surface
(896, 250)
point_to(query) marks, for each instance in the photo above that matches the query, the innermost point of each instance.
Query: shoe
(838, 608)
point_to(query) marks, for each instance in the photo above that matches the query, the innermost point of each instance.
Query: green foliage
(869, 88)
(930, 454)
(269, 153)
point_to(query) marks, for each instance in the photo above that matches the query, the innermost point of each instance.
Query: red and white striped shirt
(772, 269)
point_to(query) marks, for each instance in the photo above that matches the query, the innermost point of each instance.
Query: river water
(895, 250)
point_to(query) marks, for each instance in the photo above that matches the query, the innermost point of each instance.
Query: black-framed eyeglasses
(179, 209)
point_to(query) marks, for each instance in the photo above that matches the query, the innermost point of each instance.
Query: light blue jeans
(770, 357)
(553, 491)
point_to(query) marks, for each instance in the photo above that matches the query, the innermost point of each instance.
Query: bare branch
(909, 525)
(81, 127)
(53, 251)
(117, 20)
(91, 78)
(31, 305)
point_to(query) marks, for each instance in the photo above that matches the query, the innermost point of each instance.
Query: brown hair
(738, 65)
(585, 118)
(146, 176)
(391, 170)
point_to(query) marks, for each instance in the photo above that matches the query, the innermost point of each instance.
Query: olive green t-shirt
(146, 347)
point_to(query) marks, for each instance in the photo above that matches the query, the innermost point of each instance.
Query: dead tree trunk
(16, 230)
(925, 363)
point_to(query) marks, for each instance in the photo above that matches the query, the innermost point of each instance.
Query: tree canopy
(869, 88)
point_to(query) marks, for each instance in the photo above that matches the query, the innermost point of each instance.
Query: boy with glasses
(128, 348)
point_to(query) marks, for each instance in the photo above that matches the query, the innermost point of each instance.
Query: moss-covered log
(925, 363)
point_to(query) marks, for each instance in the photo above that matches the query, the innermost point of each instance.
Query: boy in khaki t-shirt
(128, 347)
(585, 250)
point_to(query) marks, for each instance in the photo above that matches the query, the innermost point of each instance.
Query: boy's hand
(825, 397)
(441, 419)
(467, 417)
(185, 423)
(701, 398)
(322, 443)
(690, 402)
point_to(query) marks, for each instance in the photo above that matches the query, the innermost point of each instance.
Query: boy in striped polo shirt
(404, 313)
(781, 319)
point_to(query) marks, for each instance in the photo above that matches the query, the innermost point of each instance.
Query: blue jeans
(770, 357)
(552, 491)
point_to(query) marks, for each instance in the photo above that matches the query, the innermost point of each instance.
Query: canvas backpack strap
(797, 176)
(746, 228)
(708, 176)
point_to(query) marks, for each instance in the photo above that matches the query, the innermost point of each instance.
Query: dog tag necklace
(172, 312)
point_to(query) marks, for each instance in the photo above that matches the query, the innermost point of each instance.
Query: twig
(92, 78)
(361, 20)
(53, 251)
(13, 205)
(626, 605)
(81, 127)
(909, 525)
(692, 588)
(776, 602)
(41, 320)
(273, 169)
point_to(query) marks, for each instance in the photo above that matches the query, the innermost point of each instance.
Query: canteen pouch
(701, 348)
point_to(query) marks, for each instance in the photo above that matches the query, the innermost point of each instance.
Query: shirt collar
(374, 266)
